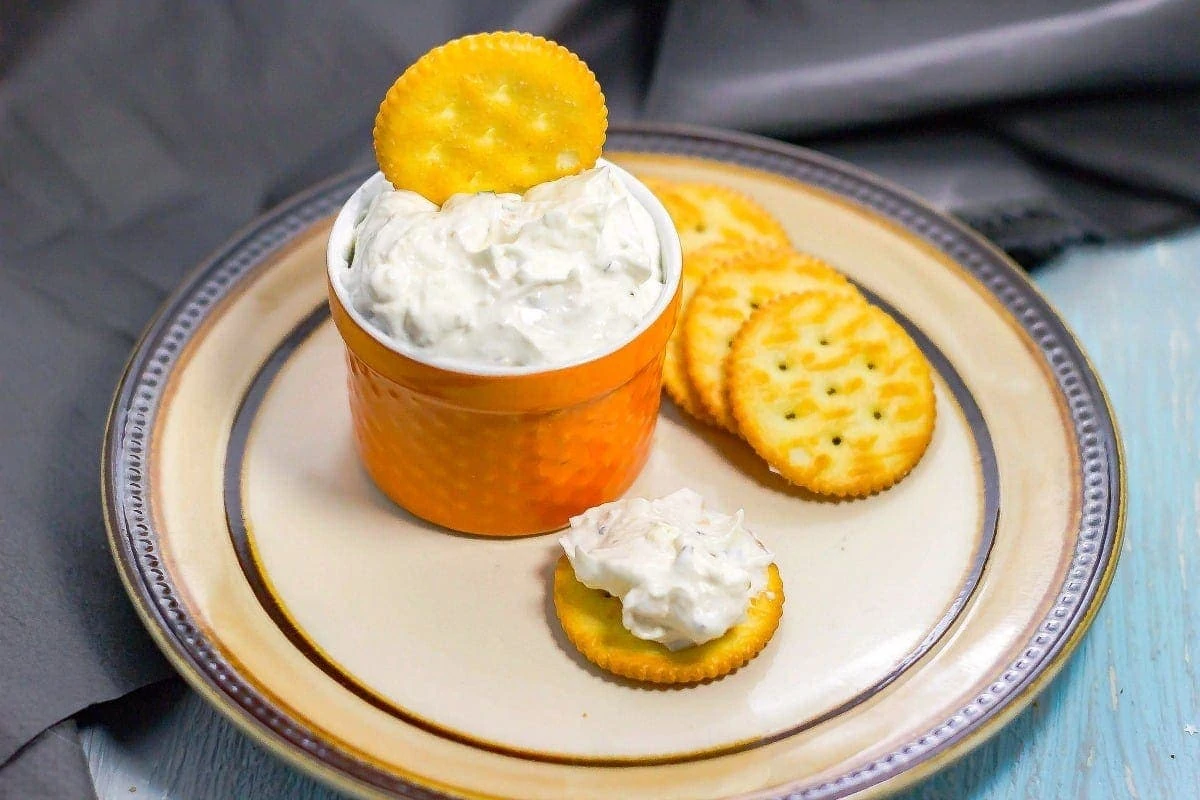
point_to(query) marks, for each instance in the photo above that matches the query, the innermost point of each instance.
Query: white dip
(569, 269)
(684, 575)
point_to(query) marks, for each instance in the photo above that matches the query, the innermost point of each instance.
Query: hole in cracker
(753, 304)
(837, 440)
(823, 342)
(831, 390)
(870, 365)
(783, 366)
(790, 415)
(878, 415)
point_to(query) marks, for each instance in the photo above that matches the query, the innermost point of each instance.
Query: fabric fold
(52, 765)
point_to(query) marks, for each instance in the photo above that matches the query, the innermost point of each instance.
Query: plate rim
(1002, 280)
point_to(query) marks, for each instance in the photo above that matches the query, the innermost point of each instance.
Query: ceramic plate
(392, 658)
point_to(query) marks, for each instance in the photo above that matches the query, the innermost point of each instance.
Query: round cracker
(832, 392)
(679, 387)
(714, 223)
(727, 297)
(591, 619)
(491, 112)
(706, 214)
(675, 379)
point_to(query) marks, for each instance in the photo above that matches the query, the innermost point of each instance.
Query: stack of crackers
(781, 349)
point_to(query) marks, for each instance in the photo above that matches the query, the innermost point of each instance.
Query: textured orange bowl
(502, 451)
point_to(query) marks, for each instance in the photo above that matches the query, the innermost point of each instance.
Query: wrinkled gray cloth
(50, 766)
(136, 136)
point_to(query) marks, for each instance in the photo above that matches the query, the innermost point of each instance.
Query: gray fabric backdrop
(135, 136)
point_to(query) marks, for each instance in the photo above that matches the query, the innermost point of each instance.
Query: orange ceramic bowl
(502, 451)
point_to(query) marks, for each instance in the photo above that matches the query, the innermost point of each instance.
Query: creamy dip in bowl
(566, 270)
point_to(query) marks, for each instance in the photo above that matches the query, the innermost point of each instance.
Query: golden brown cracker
(832, 392)
(714, 223)
(695, 266)
(677, 384)
(591, 620)
(497, 112)
(705, 214)
(725, 300)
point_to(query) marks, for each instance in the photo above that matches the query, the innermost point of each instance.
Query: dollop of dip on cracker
(684, 574)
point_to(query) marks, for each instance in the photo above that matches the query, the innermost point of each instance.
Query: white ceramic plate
(396, 659)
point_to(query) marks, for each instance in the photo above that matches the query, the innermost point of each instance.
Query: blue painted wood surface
(1114, 724)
